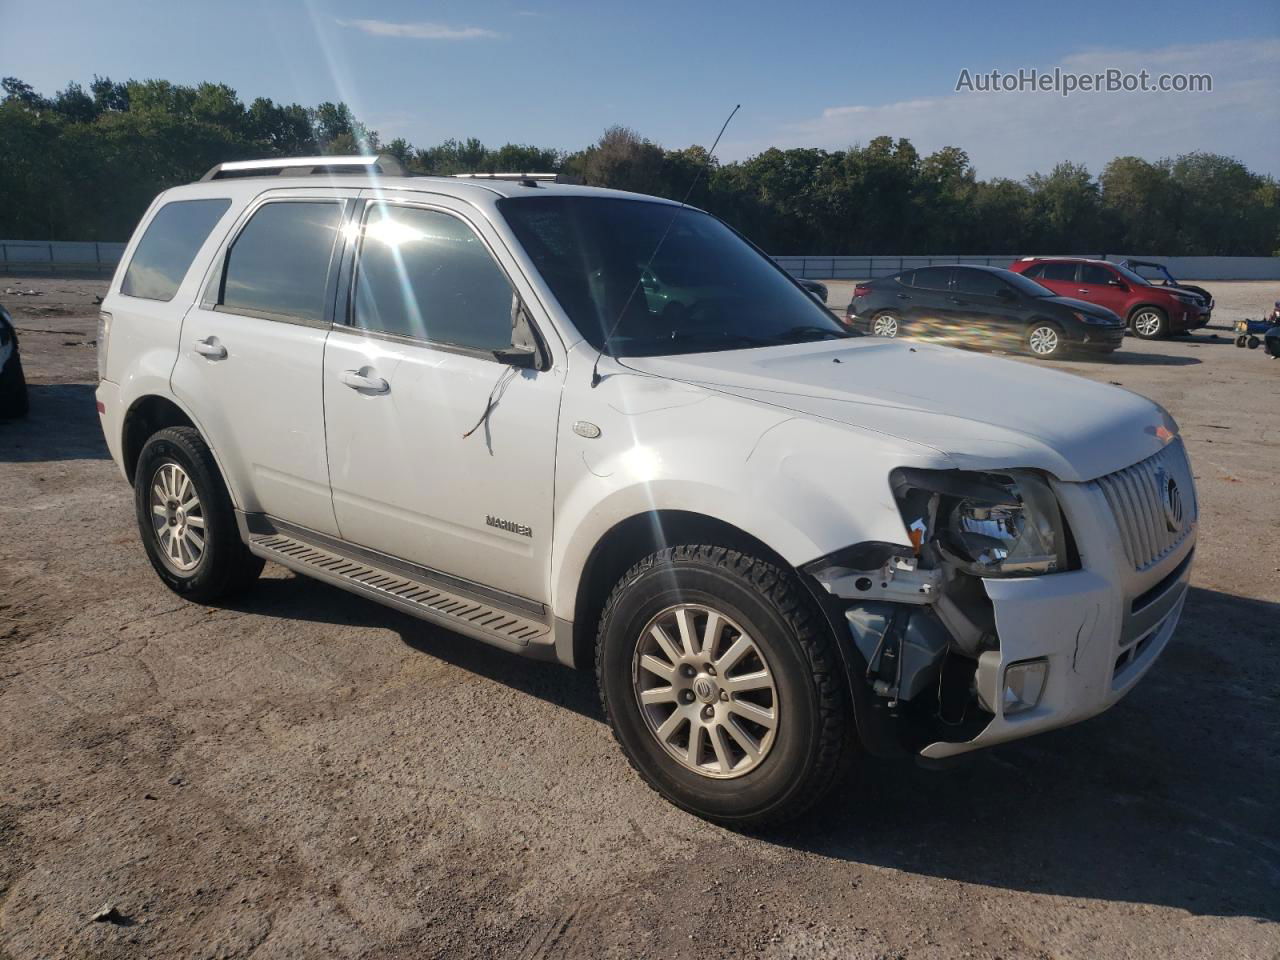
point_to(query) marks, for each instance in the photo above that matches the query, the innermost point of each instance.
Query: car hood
(1083, 305)
(980, 412)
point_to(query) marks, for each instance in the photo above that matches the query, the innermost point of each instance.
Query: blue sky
(822, 74)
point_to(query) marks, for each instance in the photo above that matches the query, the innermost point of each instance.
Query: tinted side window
(907, 277)
(979, 283)
(1035, 273)
(1092, 273)
(932, 278)
(1065, 272)
(166, 250)
(279, 264)
(425, 274)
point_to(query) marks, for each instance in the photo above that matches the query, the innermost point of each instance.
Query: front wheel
(186, 519)
(720, 680)
(1045, 340)
(1149, 323)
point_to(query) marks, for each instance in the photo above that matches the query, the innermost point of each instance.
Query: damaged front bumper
(1086, 635)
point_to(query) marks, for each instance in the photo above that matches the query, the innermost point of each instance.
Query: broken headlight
(987, 524)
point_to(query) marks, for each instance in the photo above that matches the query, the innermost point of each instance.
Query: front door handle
(359, 380)
(960, 303)
(903, 296)
(1082, 291)
(210, 347)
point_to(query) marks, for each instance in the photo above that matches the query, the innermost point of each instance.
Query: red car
(1152, 312)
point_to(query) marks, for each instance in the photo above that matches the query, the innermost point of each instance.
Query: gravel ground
(308, 774)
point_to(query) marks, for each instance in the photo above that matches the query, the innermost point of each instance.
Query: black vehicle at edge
(982, 306)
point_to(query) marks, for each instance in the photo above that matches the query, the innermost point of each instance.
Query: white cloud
(418, 31)
(1013, 134)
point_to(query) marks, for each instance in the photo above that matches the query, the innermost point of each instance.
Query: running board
(449, 608)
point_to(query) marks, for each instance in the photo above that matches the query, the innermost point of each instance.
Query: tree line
(85, 163)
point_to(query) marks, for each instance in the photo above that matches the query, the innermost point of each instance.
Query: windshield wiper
(808, 332)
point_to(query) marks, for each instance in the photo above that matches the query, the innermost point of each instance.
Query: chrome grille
(1154, 504)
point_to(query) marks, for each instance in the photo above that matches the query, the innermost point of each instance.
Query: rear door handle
(903, 296)
(211, 348)
(357, 380)
(1082, 291)
(955, 301)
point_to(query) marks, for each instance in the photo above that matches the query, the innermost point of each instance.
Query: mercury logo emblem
(1171, 497)
(705, 689)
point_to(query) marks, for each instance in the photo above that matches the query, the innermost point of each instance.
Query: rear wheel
(721, 682)
(1149, 323)
(886, 324)
(1045, 340)
(186, 519)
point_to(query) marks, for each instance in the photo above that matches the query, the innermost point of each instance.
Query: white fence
(59, 256)
(866, 268)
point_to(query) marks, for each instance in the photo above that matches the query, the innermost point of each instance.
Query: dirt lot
(307, 774)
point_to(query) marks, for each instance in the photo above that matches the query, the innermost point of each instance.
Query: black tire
(1149, 323)
(226, 567)
(1046, 341)
(13, 389)
(814, 736)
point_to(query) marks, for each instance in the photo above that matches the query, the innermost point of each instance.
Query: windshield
(1026, 285)
(706, 290)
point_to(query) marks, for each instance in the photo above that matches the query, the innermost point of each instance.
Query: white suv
(603, 428)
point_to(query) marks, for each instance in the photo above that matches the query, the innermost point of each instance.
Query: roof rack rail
(533, 177)
(382, 163)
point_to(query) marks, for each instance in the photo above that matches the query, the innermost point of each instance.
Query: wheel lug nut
(687, 696)
(708, 712)
(711, 670)
(724, 695)
(687, 670)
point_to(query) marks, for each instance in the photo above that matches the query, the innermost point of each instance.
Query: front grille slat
(1136, 499)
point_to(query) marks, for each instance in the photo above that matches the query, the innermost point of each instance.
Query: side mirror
(1118, 284)
(524, 351)
(525, 358)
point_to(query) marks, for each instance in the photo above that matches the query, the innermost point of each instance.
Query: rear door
(440, 453)
(930, 312)
(251, 354)
(1058, 275)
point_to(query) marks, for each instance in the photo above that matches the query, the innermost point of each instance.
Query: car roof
(474, 190)
(1067, 260)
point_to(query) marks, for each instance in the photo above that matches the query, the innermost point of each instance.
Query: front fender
(805, 488)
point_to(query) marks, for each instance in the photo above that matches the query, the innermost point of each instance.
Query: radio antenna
(604, 347)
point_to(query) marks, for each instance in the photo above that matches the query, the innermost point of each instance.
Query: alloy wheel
(177, 518)
(1147, 323)
(705, 690)
(885, 325)
(1043, 341)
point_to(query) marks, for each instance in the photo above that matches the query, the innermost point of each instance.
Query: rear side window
(425, 274)
(979, 283)
(278, 267)
(933, 278)
(1035, 273)
(1092, 273)
(166, 250)
(1064, 272)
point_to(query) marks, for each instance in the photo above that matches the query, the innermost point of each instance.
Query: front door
(440, 453)
(251, 354)
(1100, 285)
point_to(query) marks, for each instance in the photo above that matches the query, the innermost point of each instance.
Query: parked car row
(1048, 306)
